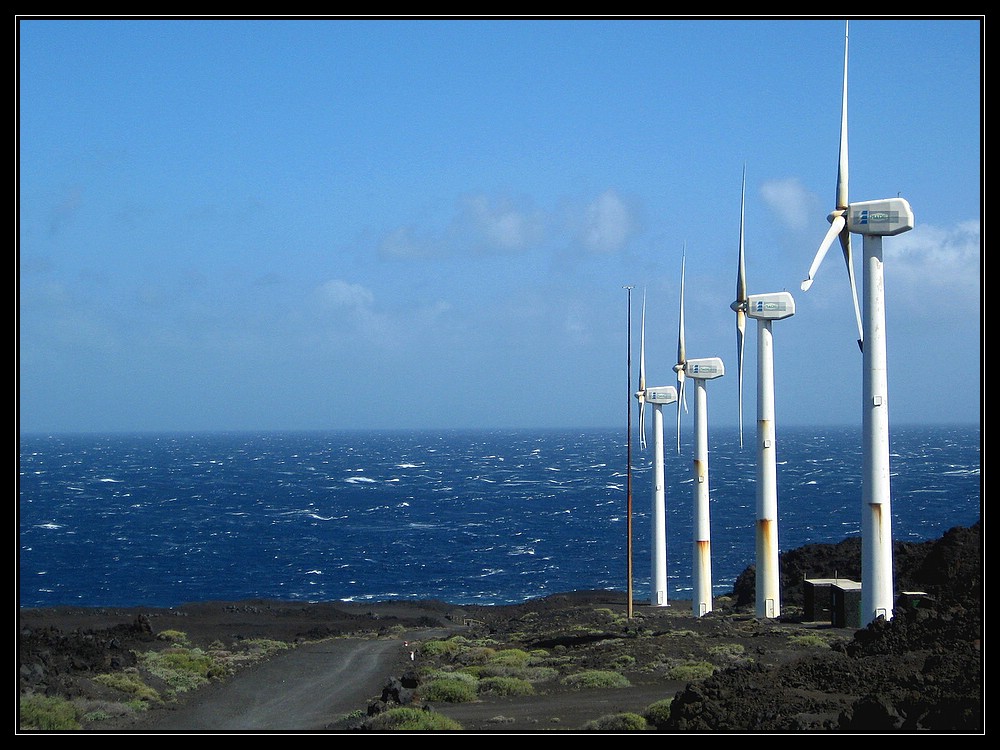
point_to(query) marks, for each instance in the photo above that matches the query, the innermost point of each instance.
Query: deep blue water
(488, 517)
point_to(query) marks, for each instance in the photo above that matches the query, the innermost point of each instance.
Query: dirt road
(302, 689)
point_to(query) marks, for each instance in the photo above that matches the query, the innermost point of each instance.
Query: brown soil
(920, 672)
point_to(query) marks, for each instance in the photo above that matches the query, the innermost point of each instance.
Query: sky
(311, 224)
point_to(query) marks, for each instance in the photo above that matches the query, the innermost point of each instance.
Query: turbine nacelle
(663, 394)
(774, 306)
(884, 218)
(706, 368)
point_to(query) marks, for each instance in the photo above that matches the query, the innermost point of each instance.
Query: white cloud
(939, 259)
(790, 201)
(607, 224)
(498, 225)
(402, 244)
(337, 293)
(501, 225)
(479, 224)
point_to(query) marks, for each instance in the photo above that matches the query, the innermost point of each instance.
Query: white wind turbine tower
(699, 370)
(657, 396)
(873, 220)
(764, 308)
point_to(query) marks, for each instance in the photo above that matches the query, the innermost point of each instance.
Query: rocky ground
(922, 671)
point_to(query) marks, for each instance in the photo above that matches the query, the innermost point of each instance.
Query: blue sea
(467, 517)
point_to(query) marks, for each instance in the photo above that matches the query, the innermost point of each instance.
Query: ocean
(467, 517)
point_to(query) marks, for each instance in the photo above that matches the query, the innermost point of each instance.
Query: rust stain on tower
(764, 527)
(877, 516)
(699, 469)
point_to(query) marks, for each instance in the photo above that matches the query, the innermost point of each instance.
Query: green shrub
(623, 722)
(461, 675)
(475, 654)
(182, 669)
(728, 650)
(174, 636)
(447, 690)
(809, 640)
(691, 671)
(657, 713)
(595, 678)
(538, 674)
(478, 670)
(128, 683)
(449, 647)
(623, 661)
(264, 646)
(505, 686)
(47, 713)
(412, 719)
(514, 657)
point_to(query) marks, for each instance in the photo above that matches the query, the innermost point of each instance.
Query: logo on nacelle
(877, 217)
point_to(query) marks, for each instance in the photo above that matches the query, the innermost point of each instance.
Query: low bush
(513, 657)
(505, 686)
(448, 690)
(174, 636)
(461, 675)
(727, 650)
(623, 722)
(691, 671)
(657, 713)
(449, 647)
(264, 647)
(47, 713)
(412, 719)
(97, 711)
(624, 661)
(182, 669)
(595, 678)
(808, 639)
(129, 683)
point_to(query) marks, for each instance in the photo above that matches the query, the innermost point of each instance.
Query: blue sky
(327, 224)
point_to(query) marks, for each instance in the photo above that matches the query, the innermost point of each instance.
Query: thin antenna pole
(628, 474)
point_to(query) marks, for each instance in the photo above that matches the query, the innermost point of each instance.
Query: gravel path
(302, 689)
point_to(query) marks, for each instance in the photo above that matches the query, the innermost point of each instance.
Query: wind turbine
(657, 396)
(699, 370)
(838, 217)
(764, 308)
(681, 357)
(873, 220)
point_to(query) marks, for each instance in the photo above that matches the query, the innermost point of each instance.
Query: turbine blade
(741, 271)
(842, 195)
(641, 395)
(740, 305)
(842, 171)
(681, 355)
(837, 224)
(642, 346)
(838, 218)
(680, 398)
(845, 243)
(740, 335)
